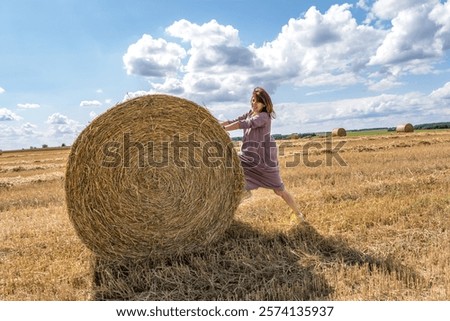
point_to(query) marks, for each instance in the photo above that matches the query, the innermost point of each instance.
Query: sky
(326, 64)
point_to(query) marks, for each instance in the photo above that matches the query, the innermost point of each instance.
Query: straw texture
(339, 132)
(153, 176)
(406, 128)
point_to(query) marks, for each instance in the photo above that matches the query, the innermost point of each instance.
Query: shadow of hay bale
(244, 265)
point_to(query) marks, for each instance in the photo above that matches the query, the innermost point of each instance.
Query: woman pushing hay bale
(155, 175)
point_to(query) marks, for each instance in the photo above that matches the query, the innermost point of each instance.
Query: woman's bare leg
(287, 197)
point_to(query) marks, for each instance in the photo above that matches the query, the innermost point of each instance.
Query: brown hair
(263, 97)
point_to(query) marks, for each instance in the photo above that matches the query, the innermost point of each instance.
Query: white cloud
(215, 48)
(151, 57)
(384, 84)
(389, 9)
(204, 35)
(171, 85)
(139, 93)
(62, 126)
(418, 39)
(92, 115)
(28, 106)
(7, 115)
(376, 111)
(329, 51)
(2, 90)
(29, 129)
(363, 5)
(18, 136)
(316, 50)
(321, 48)
(22, 135)
(57, 118)
(442, 93)
(411, 39)
(441, 16)
(218, 67)
(90, 103)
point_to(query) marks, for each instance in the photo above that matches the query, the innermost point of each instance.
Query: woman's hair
(263, 97)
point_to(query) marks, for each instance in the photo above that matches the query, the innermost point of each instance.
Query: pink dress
(259, 156)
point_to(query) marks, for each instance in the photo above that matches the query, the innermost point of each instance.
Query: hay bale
(406, 128)
(155, 175)
(339, 132)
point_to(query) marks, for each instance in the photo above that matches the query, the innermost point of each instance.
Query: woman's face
(256, 106)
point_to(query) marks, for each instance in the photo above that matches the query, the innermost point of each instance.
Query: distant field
(377, 229)
(369, 133)
(386, 132)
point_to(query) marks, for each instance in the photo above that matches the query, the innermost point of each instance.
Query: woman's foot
(297, 217)
(301, 216)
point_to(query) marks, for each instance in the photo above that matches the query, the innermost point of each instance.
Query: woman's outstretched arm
(231, 126)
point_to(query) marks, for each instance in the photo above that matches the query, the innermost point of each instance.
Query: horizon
(327, 64)
(277, 136)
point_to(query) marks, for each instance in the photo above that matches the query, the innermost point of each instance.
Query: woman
(259, 151)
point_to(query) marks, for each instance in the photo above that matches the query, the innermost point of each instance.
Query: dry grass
(378, 229)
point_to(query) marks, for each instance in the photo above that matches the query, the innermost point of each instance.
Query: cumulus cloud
(18, 136)
(8, 115)
(29, 129)
(28, 106)
(90, 103)
(61, 125)
(411, 38)
(2, 90)
(57, 118)
(418, 38)
(389, 9)
(321, 48)
(363, 5)
(384, 84)
(441, 16)
(442, 93)
(318, 49)
(215, 48)
(153, 57)
(135, 94)
(324, 51)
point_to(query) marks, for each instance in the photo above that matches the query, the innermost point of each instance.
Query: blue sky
(353, 64)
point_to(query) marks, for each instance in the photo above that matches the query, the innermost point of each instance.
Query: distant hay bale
(155, 175)
(339, 132)
(406, 128)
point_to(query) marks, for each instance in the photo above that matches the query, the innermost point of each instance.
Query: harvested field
(378, 212)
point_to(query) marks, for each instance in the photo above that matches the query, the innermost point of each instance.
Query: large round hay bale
(339, 132)
(405, 128)
(155, 175)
